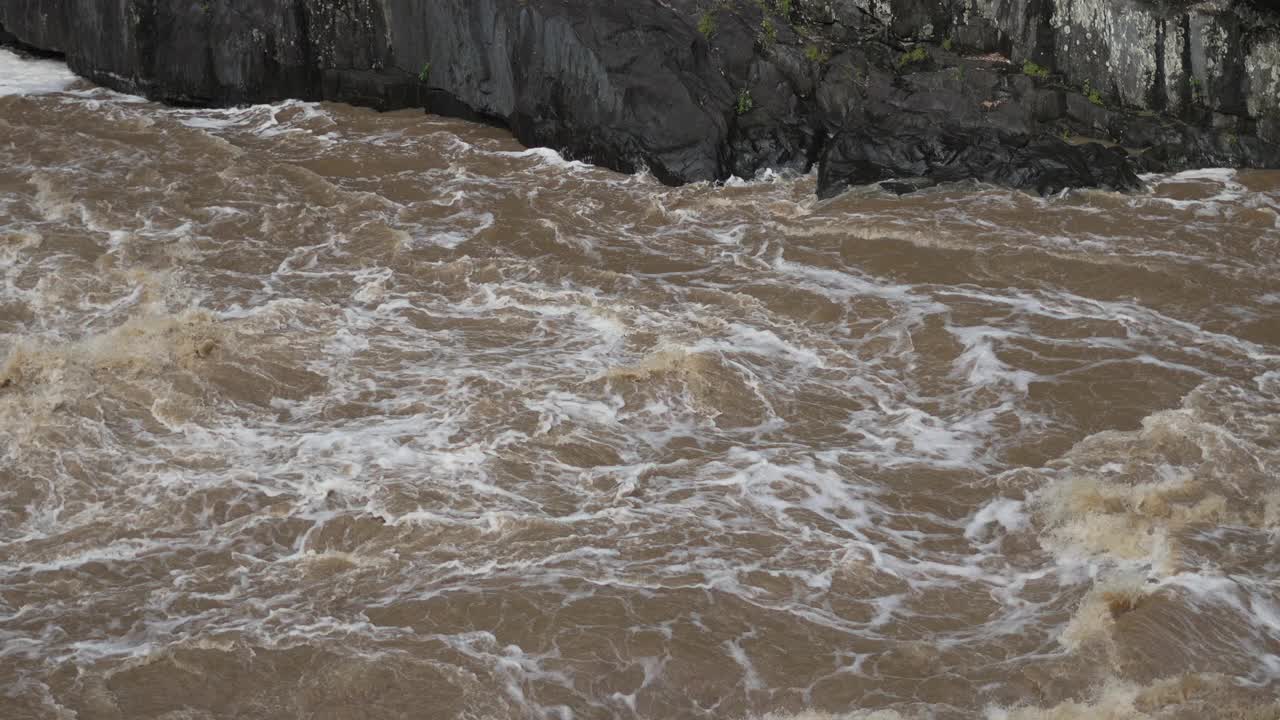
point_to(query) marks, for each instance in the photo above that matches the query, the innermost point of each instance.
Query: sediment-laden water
(308, 411)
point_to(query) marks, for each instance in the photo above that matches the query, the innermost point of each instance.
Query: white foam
(32, 76)
(547, 156)
(1008, 514)
(765, 343)
(1222, 175)
(979, 364)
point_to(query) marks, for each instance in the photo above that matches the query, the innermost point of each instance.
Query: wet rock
(868, 90)
(1042, 165)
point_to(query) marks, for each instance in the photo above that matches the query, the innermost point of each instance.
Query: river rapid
(308, 411)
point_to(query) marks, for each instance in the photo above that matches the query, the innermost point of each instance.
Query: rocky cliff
(1037, 94)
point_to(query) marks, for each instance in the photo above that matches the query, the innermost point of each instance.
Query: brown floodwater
(312, 412)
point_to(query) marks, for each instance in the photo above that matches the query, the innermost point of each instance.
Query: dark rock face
(869, 90)
(1044, 165)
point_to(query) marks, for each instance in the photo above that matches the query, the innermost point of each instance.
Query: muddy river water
(308, 411)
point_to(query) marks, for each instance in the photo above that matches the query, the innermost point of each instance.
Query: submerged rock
(1035, 94)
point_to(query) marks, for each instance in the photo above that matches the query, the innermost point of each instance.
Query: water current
(308, 411)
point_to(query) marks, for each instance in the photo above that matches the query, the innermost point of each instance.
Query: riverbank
(1034, 94)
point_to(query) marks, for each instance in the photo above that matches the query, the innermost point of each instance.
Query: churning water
(308, 411)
